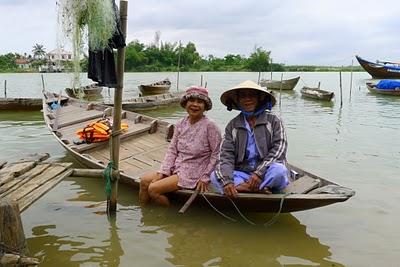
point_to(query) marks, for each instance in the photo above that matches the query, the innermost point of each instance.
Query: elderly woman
(253, 153)
(191, 155)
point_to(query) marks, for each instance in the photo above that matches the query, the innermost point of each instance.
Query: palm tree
(38, 51)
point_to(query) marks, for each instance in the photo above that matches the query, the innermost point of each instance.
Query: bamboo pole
(43, 87)
(351, 76)
(340, 83)
(259, 76)
(115, 140)
(179, 65)
(280, 92)
(201, 80)
(5, 88)
(271, 69)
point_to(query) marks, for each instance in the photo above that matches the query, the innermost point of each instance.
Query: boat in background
(143, 146)
(317, 93)
(387, 91)
(288, 84)
(160, 87)
(20, 104)
(380, 69)
(91, 90)
(150, 101)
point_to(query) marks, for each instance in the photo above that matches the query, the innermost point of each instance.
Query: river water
(355, 145)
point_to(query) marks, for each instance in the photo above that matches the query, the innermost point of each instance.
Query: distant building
(59, 54)
(23, 63)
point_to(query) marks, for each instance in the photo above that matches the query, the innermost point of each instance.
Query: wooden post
(319, 84)
(201, 80)
(5, 88)
(259, 76)
(12, 237)
(341, 95)
(115, 140)
(43, 87)
(280, 92)
(271, 69)
(179, 65)
(351, 76)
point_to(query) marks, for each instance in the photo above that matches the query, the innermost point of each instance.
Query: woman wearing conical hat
(253, 151)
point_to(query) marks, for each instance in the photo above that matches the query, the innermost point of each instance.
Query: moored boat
(150, 102)
(386, 91)
(288, 84)
(142, 148)
(316, 93)
(380, 69)
(91, 90)
(20, 103)
(160, 87)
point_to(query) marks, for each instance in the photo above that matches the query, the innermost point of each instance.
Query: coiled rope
(108, 176)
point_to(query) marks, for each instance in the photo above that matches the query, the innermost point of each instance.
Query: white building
(59, 54)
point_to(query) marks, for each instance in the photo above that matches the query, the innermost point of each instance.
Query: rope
(275, 217)
(219, 212)
(241, 214)
(108, 175)
(9, 249)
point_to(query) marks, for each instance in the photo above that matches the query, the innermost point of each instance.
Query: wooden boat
(142, 148)
(380, 69)
(372, 88)
(91, 90)
(160, 87)
(316, 93)
(20, 103)
(288, 84)
(150, 102)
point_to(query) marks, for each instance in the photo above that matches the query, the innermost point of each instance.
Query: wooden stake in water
(179, 64)
(271, 69)
(43, 87)
(115, 140)
(341, 94)
(5, 88)
(280, 92)
(259, 75)
(201, 80)
(351, 76)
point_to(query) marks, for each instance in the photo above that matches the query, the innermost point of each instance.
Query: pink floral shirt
(193, 152)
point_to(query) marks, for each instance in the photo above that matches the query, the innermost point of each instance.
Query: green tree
(38, 51)
(259, 60)
(7, 62)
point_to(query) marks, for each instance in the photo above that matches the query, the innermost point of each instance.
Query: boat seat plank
(73, 118)
(133, 161)
(302, 185)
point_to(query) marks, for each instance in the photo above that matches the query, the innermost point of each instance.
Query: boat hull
(372, 88)
(20, 103)
(377, 70)
(289, 84)
(316, 93)
(153, 89)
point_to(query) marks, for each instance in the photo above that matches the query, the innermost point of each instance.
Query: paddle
(189, 201)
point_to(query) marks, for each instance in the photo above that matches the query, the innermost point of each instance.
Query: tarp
(388, 84)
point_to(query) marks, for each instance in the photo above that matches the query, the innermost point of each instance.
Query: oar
(189, 201)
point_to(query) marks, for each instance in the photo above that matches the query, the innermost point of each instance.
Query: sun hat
(198, 93)
(229, 97)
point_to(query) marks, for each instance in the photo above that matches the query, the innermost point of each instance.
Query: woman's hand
(202, 186)
(254, 182)
(230, 190)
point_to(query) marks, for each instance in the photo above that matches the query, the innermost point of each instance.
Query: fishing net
(91, 21)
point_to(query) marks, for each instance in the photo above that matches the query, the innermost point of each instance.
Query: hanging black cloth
(101, 67)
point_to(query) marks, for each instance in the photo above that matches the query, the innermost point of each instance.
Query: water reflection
(202, 239)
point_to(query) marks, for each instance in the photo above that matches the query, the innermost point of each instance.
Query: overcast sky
(314, 32)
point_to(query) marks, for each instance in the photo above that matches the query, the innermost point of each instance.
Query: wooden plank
(14, 170)
(72, 119)
(35, 195)
(302, 185)
(37, 182)
(21, 180)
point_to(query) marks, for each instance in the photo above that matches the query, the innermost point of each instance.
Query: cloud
(297, 32)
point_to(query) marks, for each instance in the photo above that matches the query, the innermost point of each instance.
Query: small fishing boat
(92, 90)
(383, 91)
(150, 102)
(380, 69)
(142, 148)
(160, 87)
(20, 103)
(288, 84)
(316, 93)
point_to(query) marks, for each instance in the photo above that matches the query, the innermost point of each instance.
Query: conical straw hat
(229, 97)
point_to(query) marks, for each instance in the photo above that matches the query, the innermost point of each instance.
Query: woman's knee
(146, 179)
(154, 190)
